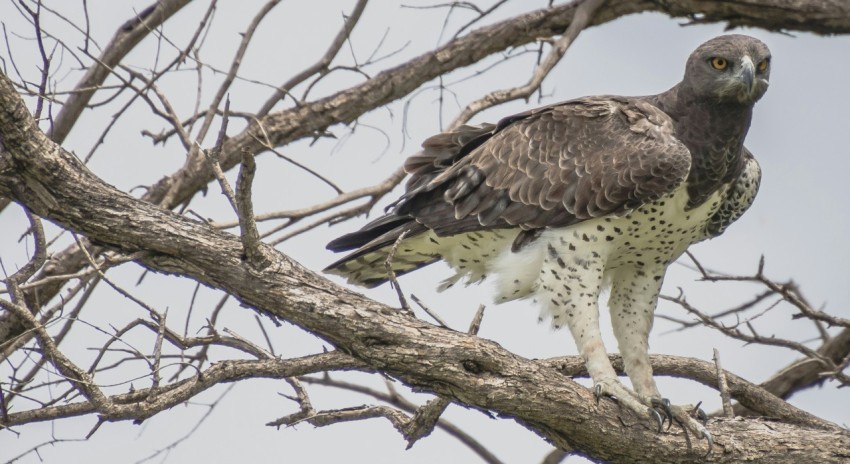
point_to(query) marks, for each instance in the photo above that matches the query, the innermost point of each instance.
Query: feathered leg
(569, 286)
(633, 300)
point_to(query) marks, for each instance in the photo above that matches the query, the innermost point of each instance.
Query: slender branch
(234, 68)
(750, 395)
(723, 386)
(396, 400)
(319, 66)
(428, 311)
(388, 265)
(79, 378)
(752, 337)
(136, 405)
(375, 192)
(581, 19)
(125, 39)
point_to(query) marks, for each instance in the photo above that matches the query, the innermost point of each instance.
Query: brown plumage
(557, 200)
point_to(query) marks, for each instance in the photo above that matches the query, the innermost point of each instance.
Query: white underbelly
(650, 237)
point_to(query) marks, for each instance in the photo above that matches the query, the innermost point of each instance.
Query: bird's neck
(714, 133)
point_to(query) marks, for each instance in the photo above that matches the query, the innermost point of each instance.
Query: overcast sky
(799, 222)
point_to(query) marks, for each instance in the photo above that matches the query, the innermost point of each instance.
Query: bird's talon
(710, 441)
(664, 405)
(699, 414)
(658, 420)
(599, 392)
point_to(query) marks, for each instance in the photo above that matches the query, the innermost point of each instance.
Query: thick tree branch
(748, 394)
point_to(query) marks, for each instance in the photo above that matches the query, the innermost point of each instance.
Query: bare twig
(424, 420)
(36, 262)
(45, 60)
(321, 65)
(723, 386)
(427, 310)
(135, 405)
(753, 337)
(79, 378)
(476, 320)
(584, 13)
(234, 68)
(750, 395)
(555, 456)
(174, 444)
(374, 192)
(157, 354)
(99, 269)
(335, 416)
(125, 39)
(395, 399)
(213, 157)
(250, 236)
(388, 264)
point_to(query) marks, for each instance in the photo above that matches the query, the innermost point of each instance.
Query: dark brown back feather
(549, 167)
(552, 167)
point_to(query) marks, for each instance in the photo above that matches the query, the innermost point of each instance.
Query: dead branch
(320, 66)
(136, 405)
(723, 386)
(125, 39)
(581, 18)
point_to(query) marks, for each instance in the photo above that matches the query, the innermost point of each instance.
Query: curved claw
(699, 414)
(597, 392)
(685, 420)
(664, 405)
(658, 420)
(709, 439)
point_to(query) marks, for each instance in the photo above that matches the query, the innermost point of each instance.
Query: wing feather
(586, 158)
(550, 167)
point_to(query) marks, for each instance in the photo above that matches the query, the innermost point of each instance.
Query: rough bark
(57, 186)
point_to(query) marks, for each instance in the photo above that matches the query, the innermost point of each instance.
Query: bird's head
(729, 69)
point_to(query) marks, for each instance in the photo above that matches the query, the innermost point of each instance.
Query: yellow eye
(762, 67)
(719, 63)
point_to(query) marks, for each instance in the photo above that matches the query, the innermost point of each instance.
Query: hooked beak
(747, 74)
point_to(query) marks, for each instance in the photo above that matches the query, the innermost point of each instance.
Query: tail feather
(375, 229)
(366, 265)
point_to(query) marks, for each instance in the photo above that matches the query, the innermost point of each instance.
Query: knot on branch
(471, 366)
(375, 341)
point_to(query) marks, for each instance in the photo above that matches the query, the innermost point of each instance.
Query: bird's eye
(762, 67)
(719, 63)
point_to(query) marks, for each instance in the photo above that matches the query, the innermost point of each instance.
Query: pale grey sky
(799, 221)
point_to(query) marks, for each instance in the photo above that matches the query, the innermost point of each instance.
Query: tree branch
(125, 39)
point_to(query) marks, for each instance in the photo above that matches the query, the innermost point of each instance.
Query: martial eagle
(560, 201)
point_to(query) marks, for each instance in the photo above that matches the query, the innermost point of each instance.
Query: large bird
(560, 201)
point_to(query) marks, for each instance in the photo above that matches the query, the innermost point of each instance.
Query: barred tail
(366, 265)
